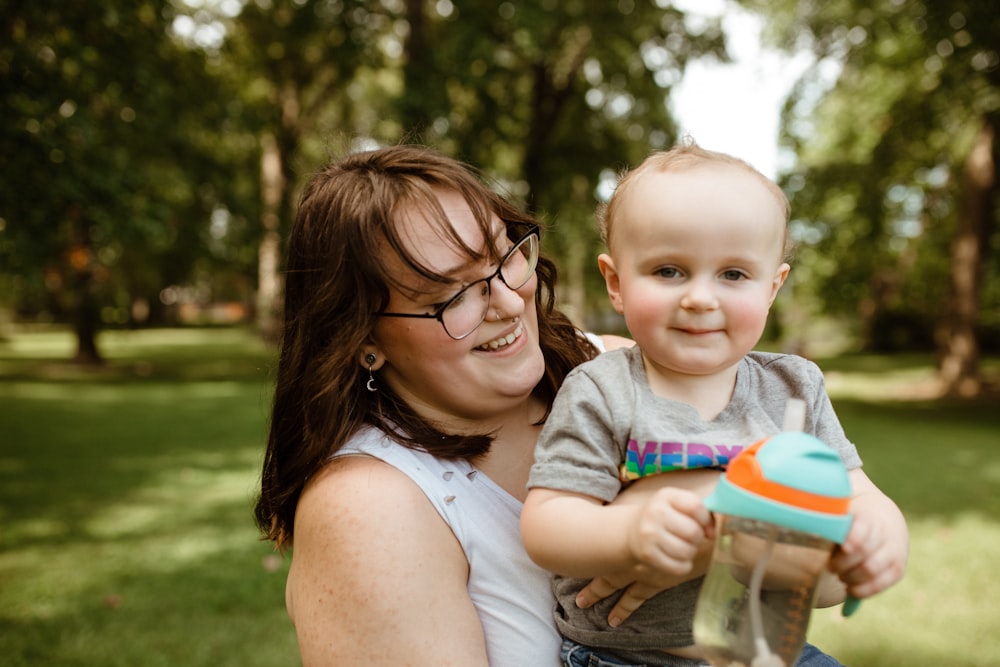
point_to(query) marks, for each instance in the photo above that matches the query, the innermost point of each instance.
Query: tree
(896, 164)
(100, 147)
(295, 63)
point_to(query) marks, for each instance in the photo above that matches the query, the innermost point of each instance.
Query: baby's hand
(868, 562)
(668, 529)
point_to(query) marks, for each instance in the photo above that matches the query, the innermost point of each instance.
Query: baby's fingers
(866, 562)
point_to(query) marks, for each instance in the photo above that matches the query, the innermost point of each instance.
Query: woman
(421, 352)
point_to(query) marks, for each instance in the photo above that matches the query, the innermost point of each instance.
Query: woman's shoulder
(354, 484)
(357, 505)
(368, 545)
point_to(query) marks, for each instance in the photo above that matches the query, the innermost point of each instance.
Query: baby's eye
(733, 274)
(668, 272)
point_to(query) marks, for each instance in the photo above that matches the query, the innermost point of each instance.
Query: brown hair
(336, 280)
(682, 157)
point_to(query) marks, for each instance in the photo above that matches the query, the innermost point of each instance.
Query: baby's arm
(873, 557)
(580, 536)
(641, 582)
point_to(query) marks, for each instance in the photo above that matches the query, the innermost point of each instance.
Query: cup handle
(851, 605)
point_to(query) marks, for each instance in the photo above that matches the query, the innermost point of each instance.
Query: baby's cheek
(748, 316)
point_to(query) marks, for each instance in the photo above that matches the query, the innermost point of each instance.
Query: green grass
(125, 494)
(940, 461)
(126, 535)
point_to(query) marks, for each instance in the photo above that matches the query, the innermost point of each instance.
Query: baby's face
(695, 263)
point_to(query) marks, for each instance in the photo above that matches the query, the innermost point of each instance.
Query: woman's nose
(508, 302)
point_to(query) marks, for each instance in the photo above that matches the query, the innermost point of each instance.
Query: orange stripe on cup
(745, 472)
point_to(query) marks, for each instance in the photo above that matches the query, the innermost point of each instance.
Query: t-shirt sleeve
(576, 450)
(822, 420)
(827, 426)
(785, 376)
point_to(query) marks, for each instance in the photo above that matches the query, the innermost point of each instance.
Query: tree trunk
(86, 322)
(550, 93)
(86, 313)
(419, 77)
(958, 371)
(269, 254)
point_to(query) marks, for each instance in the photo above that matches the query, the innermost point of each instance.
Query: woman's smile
(502, 341)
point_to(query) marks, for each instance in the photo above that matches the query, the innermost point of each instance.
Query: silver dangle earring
(370, 360)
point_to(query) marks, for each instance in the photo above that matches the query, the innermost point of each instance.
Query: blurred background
(152, 153)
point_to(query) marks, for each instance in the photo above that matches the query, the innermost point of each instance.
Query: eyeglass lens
(468, 308)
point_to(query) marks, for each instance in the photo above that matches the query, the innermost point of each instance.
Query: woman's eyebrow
(422, 286)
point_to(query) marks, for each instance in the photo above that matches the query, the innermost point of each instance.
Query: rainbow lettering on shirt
(652, 458)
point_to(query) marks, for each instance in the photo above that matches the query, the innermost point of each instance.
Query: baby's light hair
(684, 156)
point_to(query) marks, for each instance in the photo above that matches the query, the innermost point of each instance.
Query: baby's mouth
(503, 341)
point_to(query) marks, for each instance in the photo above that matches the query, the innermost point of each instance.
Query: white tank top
(512, 595)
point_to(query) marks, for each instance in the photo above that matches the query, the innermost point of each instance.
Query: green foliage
(109, 147)
(132, 151)
(881, 147)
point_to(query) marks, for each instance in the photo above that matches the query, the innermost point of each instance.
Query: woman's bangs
(422, 201)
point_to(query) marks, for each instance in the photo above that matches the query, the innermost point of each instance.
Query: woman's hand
(640, 584)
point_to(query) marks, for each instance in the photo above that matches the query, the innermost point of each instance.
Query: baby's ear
(611, 281)
(779, 279)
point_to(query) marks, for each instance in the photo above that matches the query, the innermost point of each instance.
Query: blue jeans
(575, 655)
(813, 657)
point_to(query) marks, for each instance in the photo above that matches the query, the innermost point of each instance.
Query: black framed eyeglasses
(463, 313)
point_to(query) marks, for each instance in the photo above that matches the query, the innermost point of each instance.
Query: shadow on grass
(69, 452)
(125, 500)
(221, 609)
(74, 440)
(141, 356)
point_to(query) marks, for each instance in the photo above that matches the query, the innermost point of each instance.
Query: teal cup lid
(791, 479)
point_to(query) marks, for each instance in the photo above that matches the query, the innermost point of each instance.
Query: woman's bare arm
(377, 577)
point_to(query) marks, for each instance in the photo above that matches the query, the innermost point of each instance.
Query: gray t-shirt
(606, 425)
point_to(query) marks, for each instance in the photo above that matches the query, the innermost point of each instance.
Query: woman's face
(457, 383)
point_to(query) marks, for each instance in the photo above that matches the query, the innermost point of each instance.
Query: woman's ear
(611, 281)
(371, 358)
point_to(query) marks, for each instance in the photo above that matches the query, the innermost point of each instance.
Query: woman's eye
(452, 302)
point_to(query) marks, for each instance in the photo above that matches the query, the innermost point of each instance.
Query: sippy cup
(781, 507)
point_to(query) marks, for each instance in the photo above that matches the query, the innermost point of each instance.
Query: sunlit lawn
(125, 529)
(126, 535)
(941, 463)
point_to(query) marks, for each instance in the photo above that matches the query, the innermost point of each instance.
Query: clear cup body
(761, 585)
